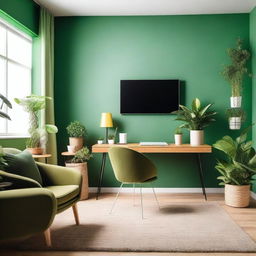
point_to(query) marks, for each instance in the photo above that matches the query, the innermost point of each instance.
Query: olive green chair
(30, 207)
(132, 167)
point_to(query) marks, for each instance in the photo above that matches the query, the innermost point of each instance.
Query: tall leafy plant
(235, 72)
(196, 118)
(239, 164)
(33, 104)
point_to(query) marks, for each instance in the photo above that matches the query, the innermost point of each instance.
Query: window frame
(12, 29)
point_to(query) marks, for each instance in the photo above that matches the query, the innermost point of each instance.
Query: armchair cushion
(23, 164)
(64, 193)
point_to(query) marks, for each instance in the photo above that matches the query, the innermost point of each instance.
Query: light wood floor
(244, 217)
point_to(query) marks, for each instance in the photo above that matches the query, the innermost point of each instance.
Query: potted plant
(235, 116)
(111, 139)
(178, 136)
(237, 169)
(100, 140)
(196, 119)
(235, 72)
(79, 162)
(33, 104)
(76, 132)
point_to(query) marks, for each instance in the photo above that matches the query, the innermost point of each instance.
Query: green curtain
(46, 34)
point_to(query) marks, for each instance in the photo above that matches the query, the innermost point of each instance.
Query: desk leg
(200, 169)
(101, 174)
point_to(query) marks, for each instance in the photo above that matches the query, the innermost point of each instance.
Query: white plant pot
(71, 149)
(235, 123)
(123, 138)
(111, 141)
(196, 137)
(235, 102)
(178, 139)
(100, 141)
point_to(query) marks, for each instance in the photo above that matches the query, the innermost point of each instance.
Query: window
(15, 77)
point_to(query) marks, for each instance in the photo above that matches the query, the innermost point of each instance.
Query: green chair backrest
(11, 151)
(131, 166)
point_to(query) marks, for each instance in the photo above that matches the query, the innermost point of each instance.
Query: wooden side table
(45, 156)
(83, 169)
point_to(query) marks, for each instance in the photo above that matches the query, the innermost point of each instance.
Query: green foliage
(111, 137)
(234, 73)
(178, 130)
(6, 102)
(81, 156)
(239, 164)
(100, 138)
(76, 129)
(236, 112)
(196, 118)
(33, 104)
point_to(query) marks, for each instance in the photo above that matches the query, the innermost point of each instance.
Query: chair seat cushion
(23, 164)
(64, 193)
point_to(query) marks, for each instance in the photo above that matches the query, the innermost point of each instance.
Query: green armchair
(30, 207)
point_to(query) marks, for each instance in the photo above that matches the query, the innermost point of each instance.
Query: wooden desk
(170, 148)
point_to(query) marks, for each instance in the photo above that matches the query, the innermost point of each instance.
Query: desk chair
(132, 167)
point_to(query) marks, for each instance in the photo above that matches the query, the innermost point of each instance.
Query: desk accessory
(122, 138)
(106, 122)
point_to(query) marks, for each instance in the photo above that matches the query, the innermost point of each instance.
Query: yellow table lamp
(107, 122)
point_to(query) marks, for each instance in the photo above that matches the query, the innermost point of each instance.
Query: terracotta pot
(196, 137)
(82, 168)
(35, 151)
(237, 196)
(77, 142)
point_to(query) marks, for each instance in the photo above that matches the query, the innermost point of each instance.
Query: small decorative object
(196, 119)
(33, 104)
(111, 139)
(107, 122)
(79, 162)
(235, 72)
(178, 136)
(122, 138)
(71, 148)
(100, 141)
(76, 132)
(237, 169)
(235, 116)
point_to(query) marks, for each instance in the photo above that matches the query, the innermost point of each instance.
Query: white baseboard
(158, 190)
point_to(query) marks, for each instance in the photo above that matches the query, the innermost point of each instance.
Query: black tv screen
(149, 96)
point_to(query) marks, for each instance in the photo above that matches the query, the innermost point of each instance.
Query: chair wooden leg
(47, 235)
(75, 211)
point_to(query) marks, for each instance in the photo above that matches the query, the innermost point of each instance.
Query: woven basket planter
(237, 196)
(83, 169)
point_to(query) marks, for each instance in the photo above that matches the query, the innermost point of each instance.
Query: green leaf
(50, 128)
(5, 101)
(4, 115)
(202, 112)
(196, 104)
(227, 145)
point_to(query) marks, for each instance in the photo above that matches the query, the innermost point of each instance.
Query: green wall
(92, 55)
(253, 61)
(24, 12)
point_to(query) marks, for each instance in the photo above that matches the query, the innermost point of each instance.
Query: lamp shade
(106, 120)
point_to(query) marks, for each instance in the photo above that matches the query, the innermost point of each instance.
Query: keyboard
(143, 143)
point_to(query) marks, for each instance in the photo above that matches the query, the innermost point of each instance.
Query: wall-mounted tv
(149, 96)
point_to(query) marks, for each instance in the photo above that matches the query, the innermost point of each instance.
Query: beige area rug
(177, 227)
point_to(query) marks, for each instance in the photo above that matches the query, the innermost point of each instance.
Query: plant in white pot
(237, 168)
(33, 104)
(79, 162)
(111, 137)
(178, 136)
(76, 132)
(235, 72)
(235, 117)
(196, 119)
(100, 140)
